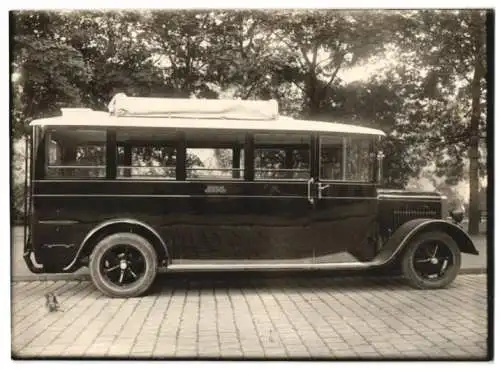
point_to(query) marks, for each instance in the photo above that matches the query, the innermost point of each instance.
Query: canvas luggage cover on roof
(124, 106)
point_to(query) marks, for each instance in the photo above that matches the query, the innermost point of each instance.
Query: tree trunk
(314, 108)
(312, 96)
(474, 216)
(474, 212)
(314, 101)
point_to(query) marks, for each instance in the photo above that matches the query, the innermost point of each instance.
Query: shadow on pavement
(297, 282)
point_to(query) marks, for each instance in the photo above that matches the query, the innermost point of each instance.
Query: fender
(108, 223)
(408, 230)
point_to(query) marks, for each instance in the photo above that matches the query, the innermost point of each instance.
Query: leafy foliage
(430, 100)
(318, 44)
(49, 69)
(451, 48)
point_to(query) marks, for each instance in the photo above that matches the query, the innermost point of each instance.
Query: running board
(272, 266)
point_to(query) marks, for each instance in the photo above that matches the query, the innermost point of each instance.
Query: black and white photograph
(251, 184)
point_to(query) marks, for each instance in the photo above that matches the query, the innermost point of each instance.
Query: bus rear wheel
(123, 265)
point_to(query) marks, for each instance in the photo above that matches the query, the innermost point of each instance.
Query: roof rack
(124, 106)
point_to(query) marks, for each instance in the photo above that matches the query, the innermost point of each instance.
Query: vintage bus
(186, 184)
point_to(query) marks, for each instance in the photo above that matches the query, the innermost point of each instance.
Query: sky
(361, 73)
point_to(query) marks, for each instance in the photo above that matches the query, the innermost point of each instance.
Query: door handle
(321, 188)
(309, 195)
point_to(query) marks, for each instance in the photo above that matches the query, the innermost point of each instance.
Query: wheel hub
(123, 264)
(434, 260)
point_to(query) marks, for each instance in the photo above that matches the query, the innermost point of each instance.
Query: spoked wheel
(431, 261)
(123, 265)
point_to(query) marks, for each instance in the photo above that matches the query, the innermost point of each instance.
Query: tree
(449, 49)
(47, 69)
(116, 48)
(318, 44)
(183, 44)
(209, 54)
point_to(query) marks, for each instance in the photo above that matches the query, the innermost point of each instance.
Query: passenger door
(282, 203)
(346, 200)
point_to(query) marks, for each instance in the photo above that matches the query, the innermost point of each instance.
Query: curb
(86, 277)
(52, 277)
(473, 271)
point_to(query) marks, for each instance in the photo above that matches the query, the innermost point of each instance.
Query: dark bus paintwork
(208, 221)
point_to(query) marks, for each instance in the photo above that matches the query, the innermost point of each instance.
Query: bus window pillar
(236, 162)
(181, 156)
(289, 163)
(68, 158)
(127, 160)
(249, 158)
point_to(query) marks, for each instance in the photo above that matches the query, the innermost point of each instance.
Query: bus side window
(76, 153)
(146, 154)
(212, 155)
(282, 156)
(346, 159)
(146, 161)
(331, 161)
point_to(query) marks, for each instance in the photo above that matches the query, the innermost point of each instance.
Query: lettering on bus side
(215, 189)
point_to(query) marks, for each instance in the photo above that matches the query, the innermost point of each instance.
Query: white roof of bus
(284, 124)
(196, 114)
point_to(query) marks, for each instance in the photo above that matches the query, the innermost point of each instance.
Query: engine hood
(396, 207)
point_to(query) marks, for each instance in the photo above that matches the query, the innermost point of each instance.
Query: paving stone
(345, 354)
(413, 355)
(301, 318)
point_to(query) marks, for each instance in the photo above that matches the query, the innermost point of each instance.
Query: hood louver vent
(404, 214)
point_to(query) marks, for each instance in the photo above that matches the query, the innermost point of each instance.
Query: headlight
(457, 215)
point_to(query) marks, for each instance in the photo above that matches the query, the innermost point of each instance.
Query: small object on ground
(51, 302)
(271, 336)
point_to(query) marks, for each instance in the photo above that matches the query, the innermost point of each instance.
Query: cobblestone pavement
(298, 317)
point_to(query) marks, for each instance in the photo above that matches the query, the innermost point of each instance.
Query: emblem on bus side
(215, 189)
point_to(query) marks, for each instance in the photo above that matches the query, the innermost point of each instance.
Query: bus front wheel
(123, 265)
(431, 261)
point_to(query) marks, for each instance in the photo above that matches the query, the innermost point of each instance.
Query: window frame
(181, 144)
(372, 171)
(44, 158)
(303, 146)
(212, 145)
(140, 143)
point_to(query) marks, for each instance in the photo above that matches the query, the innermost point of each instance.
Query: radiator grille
(404, 214)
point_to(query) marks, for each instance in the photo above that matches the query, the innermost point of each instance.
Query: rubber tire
(139, 287)
(413, 278)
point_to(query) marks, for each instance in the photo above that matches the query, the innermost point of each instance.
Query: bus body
(222, 185)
